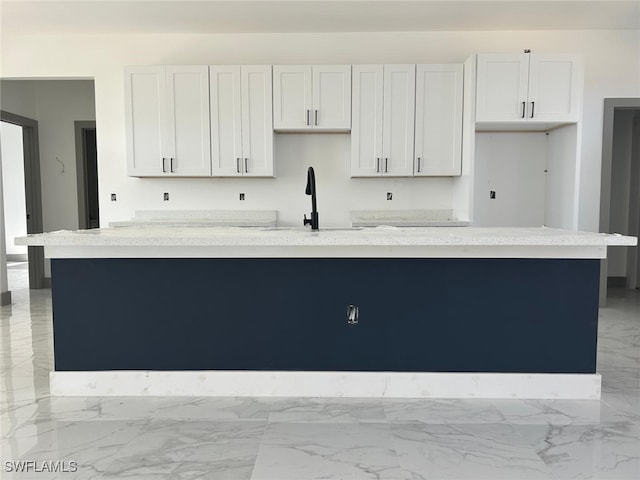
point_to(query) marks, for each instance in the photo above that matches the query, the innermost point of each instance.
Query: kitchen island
(398, 312)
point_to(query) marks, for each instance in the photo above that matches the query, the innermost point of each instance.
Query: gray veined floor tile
(155, 449)
(624, 405)
(328, 410)
(466, 452)
(557, 412)
(442, 411)
(311, 451)
(603, 451)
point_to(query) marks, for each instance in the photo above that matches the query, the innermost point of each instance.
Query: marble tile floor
(311, 438)
(17, 275)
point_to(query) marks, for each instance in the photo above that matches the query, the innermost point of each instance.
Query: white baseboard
(326, 384)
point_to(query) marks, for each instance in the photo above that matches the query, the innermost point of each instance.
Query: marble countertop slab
(336, 237)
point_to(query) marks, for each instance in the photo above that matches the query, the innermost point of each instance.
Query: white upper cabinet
(307, 98)
(366, 127)
(167, 121)
(145, 108)
(502, 87)
(555, 88)
(382, 134)
(241, 120)
(332, 97)
(438, 133)
(398, 119)
(531, 88)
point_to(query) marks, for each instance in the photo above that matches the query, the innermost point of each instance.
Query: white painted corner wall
(612, 69)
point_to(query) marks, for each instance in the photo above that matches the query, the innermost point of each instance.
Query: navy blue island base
(290, 314)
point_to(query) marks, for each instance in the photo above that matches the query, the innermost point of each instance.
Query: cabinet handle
(533, 106)
(378, 165)
(164, 170)
(308, 117)
(386, 165)
(246, 165)
(316, 119)
(524, 106)
(237, 164)
(418, 164)
(171, 164)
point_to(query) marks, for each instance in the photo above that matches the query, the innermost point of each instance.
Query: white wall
(561, 177)
(612, 60)
(55, 105)
(15, 214)
(512, 164)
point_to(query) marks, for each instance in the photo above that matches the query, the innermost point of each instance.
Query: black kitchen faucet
(311, 190)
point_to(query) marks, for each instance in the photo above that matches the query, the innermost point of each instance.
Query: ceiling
(267, 16)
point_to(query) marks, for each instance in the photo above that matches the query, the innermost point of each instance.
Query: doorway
(32, 193)
(620, 191)
(87, 174)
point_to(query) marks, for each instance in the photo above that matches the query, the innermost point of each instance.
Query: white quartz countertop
(383, 241)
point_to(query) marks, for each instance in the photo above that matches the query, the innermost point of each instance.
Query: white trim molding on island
(326, 384)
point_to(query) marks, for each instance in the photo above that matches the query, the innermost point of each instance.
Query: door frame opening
(85, 190)
(33, 192)
(611, 105)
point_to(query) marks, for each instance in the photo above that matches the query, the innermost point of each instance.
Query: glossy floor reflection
(300, 439)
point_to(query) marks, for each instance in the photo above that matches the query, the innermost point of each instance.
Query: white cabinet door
(145, 108)
(502, 87)
(292, 97)
(226, 120)
(366, 130)
(167, 118)
(309, 97)
(188, 139)
(332, 97)
(555, 88)
(438, 132)
(257, 123)
(241, 121)
(398, 119)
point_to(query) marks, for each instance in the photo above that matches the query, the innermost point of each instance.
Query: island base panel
(415, 315)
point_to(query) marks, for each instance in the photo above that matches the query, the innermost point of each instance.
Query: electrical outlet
(113, 197)
(166, 196)
(389, 196)
(241, 196)
(492, 195)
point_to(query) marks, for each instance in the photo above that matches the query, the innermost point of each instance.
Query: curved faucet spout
(311, 190)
